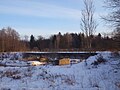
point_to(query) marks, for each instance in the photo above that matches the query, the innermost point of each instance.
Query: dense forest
(10, 40)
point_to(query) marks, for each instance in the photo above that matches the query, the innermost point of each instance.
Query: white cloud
(38, 9)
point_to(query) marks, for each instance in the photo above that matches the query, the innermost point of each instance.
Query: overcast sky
(46, 17)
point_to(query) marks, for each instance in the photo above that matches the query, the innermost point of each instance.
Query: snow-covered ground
(99, 72)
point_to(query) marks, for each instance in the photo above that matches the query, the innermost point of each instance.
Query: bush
(115, 54)
(12, 74)
(99, 60)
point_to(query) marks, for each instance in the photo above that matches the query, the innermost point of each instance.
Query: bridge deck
(61, 54)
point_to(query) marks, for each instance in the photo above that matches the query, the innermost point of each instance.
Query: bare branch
(88, 24)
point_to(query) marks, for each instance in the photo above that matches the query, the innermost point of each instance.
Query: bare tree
(9, 40)
(88, 24)
(113, 18)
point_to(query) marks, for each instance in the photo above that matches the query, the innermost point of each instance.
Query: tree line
(10, 41)
(73, 42)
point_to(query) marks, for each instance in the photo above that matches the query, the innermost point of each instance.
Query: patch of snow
(81, 76)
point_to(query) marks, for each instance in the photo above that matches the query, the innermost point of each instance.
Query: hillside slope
(99, 72)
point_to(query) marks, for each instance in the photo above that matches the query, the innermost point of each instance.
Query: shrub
(115, 54)
(12, 74)
(99, 60)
